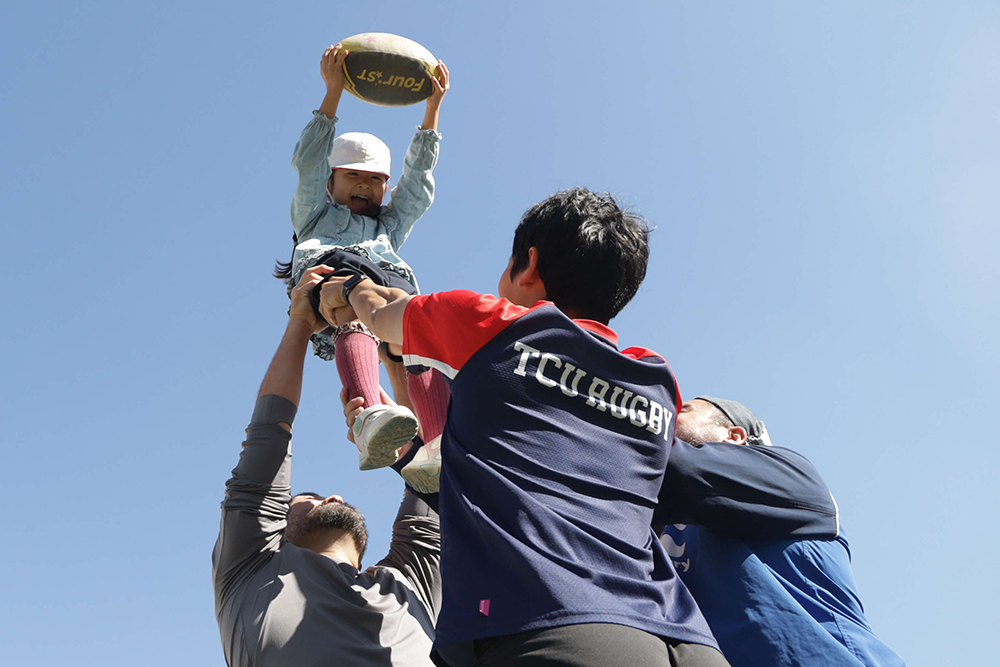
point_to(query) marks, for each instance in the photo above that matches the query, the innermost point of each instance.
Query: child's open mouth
(359, 200)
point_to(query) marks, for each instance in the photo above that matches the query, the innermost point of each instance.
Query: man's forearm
(380, 309)
(284, 375)
(751, 491)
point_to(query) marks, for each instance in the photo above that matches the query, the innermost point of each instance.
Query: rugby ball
(387, 70)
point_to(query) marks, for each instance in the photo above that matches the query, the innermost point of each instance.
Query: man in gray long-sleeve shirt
(288, 589)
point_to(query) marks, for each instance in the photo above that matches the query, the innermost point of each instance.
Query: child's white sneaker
(423, 472)
(379, 431)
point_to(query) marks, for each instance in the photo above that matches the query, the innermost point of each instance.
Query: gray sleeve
(257, 495)
(415, 549)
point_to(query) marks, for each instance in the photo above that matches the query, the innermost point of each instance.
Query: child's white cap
(360, 151)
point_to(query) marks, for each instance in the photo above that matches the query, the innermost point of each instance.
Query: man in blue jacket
(778, 591)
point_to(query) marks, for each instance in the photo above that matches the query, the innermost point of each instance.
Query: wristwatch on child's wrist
(351, 283)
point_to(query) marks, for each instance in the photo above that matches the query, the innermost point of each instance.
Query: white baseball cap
(360, 151)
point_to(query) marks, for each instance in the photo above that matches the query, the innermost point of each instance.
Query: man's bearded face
(326, 516)
(700, 422)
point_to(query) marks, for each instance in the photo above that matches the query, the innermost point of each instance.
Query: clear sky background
(824, 178)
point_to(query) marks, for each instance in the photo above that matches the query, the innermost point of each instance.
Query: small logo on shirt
(675, 550)
(484, 607)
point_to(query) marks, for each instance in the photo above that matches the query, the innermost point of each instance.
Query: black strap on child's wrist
(351, 283)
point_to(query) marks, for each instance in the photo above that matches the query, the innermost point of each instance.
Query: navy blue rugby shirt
(554, 454)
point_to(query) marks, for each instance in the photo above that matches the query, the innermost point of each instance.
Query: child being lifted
(340, 222)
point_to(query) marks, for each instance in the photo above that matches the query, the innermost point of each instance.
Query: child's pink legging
(356, 353)
(430, 395)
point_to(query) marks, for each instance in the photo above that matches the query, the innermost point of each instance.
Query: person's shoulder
(449, 327)
(384, 576)
(782, 453)
(382, 572)
(467, 306)
(644, 354)
(464, 299)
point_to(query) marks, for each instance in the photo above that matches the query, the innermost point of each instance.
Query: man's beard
(340, 516)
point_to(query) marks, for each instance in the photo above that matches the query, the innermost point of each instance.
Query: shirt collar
(602, 330)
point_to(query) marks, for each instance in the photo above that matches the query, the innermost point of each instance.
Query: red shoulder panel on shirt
(443, 330)
(602, 330)
(641, 353)
(646, 353)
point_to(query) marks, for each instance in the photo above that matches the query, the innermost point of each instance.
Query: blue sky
(824, 182)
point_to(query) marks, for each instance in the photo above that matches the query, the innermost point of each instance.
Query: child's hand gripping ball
(387, 70)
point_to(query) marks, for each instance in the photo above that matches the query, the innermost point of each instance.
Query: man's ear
(531, 280)
(737, 435)
(528, 276)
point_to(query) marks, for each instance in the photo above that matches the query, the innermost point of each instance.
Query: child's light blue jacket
(322, 226)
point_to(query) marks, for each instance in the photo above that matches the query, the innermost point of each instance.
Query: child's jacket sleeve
(414, 193)
(310, 202)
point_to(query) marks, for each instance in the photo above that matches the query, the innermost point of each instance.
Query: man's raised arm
(255, 506)
(284, 375)
(752, 491)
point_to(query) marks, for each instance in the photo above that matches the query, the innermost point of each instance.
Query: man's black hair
(592, 254)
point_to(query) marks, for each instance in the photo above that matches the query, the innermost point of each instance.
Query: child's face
(361, 191)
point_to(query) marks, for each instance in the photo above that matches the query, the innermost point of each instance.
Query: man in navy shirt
(776, 591)
(554, 450)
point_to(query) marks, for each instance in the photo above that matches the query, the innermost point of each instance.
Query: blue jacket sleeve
(748, 491)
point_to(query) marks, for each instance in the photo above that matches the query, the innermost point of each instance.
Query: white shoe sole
(424, 474)
(380, 449)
